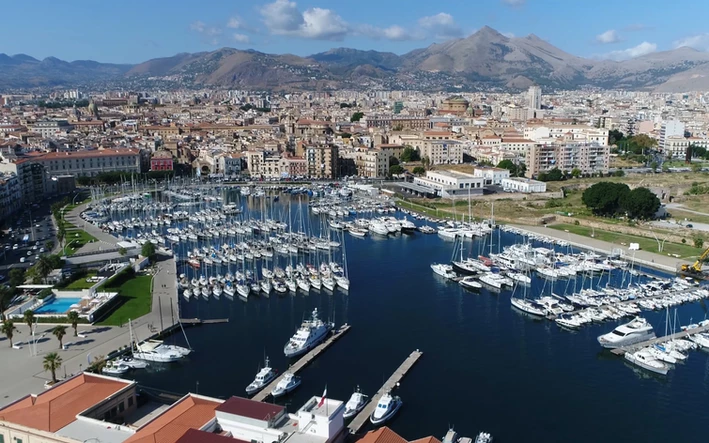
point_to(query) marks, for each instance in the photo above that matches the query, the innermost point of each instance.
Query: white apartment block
(578, 133)
(670, 129)
(677, 146)
(588, 157)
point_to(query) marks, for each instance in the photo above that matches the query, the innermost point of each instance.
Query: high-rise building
(670, 129)
(534, 97)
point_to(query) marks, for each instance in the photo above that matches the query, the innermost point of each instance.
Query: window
(121, 407)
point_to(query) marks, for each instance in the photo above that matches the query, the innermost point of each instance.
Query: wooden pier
(303, 361)
(197, 321)
(644, 344)
(361, 418)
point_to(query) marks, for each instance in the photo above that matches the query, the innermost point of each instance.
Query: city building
(51, 128)
(399, 123)
(492, 176)
(371, 163)
(230, 164)
(669, 129)
(322, 161)
(10, 195)
(88, 163)
(451, 184)
(524, 185)
(455, 105)
(534, 97)
(587, 157)
(32, 178)
(161, 161)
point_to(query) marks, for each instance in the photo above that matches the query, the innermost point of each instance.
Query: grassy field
(81, 283)
(646, 244)
(135, 301)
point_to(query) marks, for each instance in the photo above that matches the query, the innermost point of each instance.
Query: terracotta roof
(190, 412)
(57, 407)
(196, 436)
(430, 439)
(250, 408)
(89, 154)
(382, 435)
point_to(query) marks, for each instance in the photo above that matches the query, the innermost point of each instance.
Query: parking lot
(25, 239)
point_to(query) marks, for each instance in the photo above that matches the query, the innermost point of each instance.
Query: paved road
(682, 208)
(36, 222)
(105, 240)
(649, 258)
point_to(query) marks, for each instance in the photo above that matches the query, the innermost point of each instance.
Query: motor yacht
(286, 385)
(443, 270)
(113, 368)
(520, 277)
(470, 283)
(309, 335)
(644, 359)
(134, 363)
(263, 377)
(495, 280)
(356, 403)
(387, 407)
(483, 437)
(635, 331)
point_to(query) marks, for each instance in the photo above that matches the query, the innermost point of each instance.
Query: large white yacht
(635, 331)
(287, 384)
(264, 376)
(156, 351)
(386, 408)
(355, 404)
(644, 359)
(310, 333)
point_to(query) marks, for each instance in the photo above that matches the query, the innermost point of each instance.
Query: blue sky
(132, 31)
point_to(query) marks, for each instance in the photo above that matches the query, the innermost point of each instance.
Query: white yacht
(495, 280)
(263, 377)
(309, 335)
(527, 306)
(113, 368)
(635, 331)
(378, 228)
(646, 360)
(407, 225)
(356, 403)
(133, 363)
(443, 270)
(483, 437)
(520, 277)
(286, 385)
(156, 351)
(386, 408)
(470, 283)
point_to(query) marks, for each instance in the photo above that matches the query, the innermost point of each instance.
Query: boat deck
(363, 416)
(644, 344)
(303, 361)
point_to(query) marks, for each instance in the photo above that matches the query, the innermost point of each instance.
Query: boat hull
(386, 417)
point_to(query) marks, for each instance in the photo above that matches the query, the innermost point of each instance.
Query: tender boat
(286, 385)
(635, 331)
(470, 283)
(387, 407)
(263, 377)
(309, 335)
(133, 363)
(113, 368)
(645, 360)
(356, 403)
(483, 437)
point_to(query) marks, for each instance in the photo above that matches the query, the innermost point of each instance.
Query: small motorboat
(113, 368)
(286, 385)
(264, 376)
(356, 403)
(133, 363)
(483, 437)
(387, 407)
(470, 283)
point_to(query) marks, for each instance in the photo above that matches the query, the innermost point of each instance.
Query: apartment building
(10, 195)
(372, 163)
(50, 128)
(322, 161)
(32, 178)
(89, 163)
(161, 161)
(230, 164)
(670, 129)
(399, 123)
(588, 157)
(517, 146)
(579, 133)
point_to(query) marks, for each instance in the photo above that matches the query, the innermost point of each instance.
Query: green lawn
(135, 301)
(81, 283)
(646, 244)
(75, 238)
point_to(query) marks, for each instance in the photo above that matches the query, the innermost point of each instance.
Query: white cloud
(610, 36)
(241, 38)
(234, 23)
(209, 34)
(514, 2)
(636, 51)
(441, 25)
(282, 17)
(198, 26)
(699, 42)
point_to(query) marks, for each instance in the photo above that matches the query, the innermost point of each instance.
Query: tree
(615, 136)
(357, 116)
(553, 175)
(59, 332)
(640, 203)
(73, 318)
(393, 161)
(43, 267)
(510, 166)
(640, 143)
(653, 166)
(52, 362)
(122, 251)
(396, 170)
(29, 318)
(148, 250)
(696, 167)
(61, 232)
(618, 173)
(8, 328)
(604, 198)
(698, 242)
(49, 245)
(575, 173)
(410, 154)
(419, 170)
(426, 162)
(6, 295)
(97, 365)
(16, 277)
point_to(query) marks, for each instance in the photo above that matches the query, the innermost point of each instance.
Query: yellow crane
(697, 266)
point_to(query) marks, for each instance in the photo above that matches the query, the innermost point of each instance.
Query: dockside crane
(696, 268)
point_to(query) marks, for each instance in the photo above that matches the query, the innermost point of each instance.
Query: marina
(659, 340)
(360, 419)
(303, 361)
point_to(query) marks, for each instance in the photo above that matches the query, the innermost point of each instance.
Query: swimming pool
(57, 306)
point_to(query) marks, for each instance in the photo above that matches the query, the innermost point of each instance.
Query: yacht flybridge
(635, 331)
(387, 407)
(355, 404)
(263, 377)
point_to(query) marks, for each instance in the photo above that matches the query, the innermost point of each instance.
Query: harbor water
(485, 366)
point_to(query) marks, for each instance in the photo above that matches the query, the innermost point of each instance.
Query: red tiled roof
(57, 407)
(196, 436)
(250, 408)
(90, 154)
(189, 413)
(430, 439)
(382, 435)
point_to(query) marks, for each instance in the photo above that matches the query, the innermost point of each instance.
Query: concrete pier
(644, 344)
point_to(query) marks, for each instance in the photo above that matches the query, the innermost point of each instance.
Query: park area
(134, 297)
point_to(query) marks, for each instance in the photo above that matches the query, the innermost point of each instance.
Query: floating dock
(303, 361)
(644, 344)
(363, 416)
(197, 321)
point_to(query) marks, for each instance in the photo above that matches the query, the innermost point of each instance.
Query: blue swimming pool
(57, 306)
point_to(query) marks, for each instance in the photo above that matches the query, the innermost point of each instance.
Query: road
(36, 222)
(682, 208)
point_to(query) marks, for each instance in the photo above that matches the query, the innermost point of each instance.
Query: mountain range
(486, 60)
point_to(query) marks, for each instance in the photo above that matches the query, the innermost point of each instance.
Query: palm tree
(43, 267)
(98, 364)
(29, 318)
(59, 332)
(52, 362)
(73, 317)
(61, 232)
(8, 328)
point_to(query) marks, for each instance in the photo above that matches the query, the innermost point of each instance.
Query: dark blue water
(485, 366)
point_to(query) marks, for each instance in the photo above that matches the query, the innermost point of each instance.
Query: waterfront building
(492, 176)
(230, 164)
(161, 161)
(88, 163)
(321, 161)
(371, 163)
(451, 183)
(524, 185)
